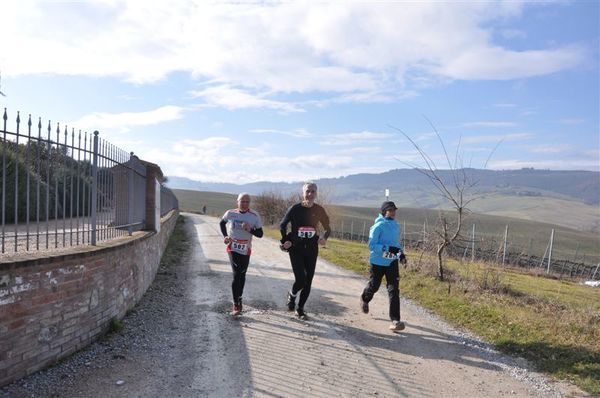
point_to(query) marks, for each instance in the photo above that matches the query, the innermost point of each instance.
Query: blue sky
(289, 91)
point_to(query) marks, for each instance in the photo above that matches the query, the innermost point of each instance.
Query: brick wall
(53, 306)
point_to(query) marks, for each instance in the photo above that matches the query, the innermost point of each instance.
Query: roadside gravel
(154, 330)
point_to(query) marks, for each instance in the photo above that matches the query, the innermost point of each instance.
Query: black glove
(393, 249)
(402, 258)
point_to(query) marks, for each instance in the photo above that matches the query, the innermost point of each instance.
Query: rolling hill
(567, 198)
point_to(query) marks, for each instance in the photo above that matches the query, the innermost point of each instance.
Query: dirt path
(188, 345)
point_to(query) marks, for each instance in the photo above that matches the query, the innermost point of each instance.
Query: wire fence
(489, 248)
(63, 188)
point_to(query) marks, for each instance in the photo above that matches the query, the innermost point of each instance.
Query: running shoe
(397, 326)
(364, 306)
(291, 302)
(237, 308)
(300, 314)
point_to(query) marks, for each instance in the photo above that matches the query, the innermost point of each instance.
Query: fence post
(473, 244)
(130, 194)
(596, 270)
(504, 249)
(363, 233)
(351, 229)
(5, 117)
(17, 183)
(550, 252)
(342, 228)
(94, 187)
(29, 164)
(576, 252)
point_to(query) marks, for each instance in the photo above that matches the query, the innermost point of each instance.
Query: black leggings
(392, 277)
(239, 266)
(304, 263)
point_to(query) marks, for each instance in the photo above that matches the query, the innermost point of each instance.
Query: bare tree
(272, 205)
(457, 191)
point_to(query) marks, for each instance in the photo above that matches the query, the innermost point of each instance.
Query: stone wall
(52, 306)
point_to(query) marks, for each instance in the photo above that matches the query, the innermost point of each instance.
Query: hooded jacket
(383, 234)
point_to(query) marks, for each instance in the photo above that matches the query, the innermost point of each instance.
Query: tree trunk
(440, 252)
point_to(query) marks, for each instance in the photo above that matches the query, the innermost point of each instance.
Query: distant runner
(386, 251)
(302, 243)
(243, 224)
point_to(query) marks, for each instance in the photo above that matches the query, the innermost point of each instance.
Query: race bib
(239, 246)
(390, 256)
(306, 232)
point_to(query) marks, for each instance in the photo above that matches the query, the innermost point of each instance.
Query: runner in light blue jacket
(386, 252)
(384, 234)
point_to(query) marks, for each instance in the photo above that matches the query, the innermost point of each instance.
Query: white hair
(309, 184)
(240, 196)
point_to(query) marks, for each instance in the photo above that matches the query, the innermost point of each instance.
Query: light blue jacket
(383, 234)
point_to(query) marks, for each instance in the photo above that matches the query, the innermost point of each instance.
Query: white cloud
(122, 122)
(497, 138)
(363, 150)
(488, 124)
(233, 98)
(219, 159)
(425, 137)
(351, 138)
(363, 51)
(513, 34)
(494, 63)
(298, 133)
(561, 148)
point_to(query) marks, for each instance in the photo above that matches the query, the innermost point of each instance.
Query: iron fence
(487, 248)
(168, 201)
(62, 188)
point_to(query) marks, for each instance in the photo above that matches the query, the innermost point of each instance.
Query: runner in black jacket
(302, 243)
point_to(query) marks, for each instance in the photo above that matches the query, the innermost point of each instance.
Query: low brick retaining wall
(51, 307)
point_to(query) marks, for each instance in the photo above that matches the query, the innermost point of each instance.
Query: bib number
(306, 232)
(390, 256)
(239, 246)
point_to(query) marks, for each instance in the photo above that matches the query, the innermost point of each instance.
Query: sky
(250, 91)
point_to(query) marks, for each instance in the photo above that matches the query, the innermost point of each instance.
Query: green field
(216, 203)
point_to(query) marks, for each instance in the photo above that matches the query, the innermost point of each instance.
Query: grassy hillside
(567, 198)
(216, 203)
(527, 236)
(489, 231)
(567, 213)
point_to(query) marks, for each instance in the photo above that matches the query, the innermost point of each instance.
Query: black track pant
(392, 277)
(303, 263)
(239, 266)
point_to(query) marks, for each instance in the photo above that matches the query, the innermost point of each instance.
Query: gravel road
(181, 341)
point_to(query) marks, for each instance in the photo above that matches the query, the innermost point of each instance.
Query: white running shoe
(397, 326)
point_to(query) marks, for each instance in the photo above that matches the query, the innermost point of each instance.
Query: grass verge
(554, 324)
(178, 244)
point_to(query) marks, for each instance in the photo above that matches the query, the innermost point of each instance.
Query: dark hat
(387, 205)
